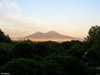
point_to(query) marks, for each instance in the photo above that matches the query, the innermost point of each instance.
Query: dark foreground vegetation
(51, 58)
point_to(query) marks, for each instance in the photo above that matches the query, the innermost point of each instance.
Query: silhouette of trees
(92, 46)
(45, 48)
(93, 43)
(94, 33)
(23, 66)
(70, 64)
(5, 52)
(53, 68)
(3, 37)
(51, 58)
(24, 49)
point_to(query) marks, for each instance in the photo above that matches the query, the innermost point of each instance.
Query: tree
(67, 45)
(94, 35)
(45, 48)
(5, 52)
(71, 65)
(76, 50)
(53, 68)
(92, 46)
(3, 37)
(93, 43)
(24, 50)
(23, 67)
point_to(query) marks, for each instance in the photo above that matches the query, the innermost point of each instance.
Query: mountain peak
(38, 32)
(51, 35)
(52, 32)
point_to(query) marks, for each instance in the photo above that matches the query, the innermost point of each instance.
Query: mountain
(51, 35)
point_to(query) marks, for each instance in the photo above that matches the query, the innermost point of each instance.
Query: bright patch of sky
(69, 17)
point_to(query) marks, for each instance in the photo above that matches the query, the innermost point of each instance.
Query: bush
(5, 52)
(71, 65)
(53, 68)
(23, 67)
(3, 37)
(24, 50)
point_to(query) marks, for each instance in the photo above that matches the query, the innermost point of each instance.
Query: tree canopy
(51, 58)
(3, 37)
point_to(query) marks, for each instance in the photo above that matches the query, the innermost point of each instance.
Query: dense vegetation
(51, 58)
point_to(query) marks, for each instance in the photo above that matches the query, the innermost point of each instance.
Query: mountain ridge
(49, 35)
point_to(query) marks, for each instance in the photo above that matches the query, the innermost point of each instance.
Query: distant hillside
(51, 35)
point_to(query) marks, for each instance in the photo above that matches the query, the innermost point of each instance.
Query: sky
(19, 18)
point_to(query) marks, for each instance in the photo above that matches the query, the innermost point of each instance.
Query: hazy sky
(69, 17)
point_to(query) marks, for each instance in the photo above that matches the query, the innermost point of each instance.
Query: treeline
(51, 58)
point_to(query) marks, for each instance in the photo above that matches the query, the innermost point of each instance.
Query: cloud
(15, 21)
(10, 4)
(17, 26)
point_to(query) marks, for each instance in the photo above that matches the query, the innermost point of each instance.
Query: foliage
(24, 49)
(71, 64)
(53, 68)
(51, 58)
(3, 37)
(5, 52)
(93, 45)
(23, 67)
